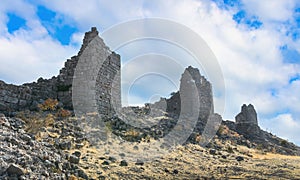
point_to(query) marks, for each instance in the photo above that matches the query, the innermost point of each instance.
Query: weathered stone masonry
(107, 85)
(27, 96)
(246, 121)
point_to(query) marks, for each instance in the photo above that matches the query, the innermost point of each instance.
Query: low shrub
(48, 105)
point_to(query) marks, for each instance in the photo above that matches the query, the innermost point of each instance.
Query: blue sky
(257, 44)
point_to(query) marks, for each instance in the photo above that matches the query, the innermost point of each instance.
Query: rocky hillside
(51, 145)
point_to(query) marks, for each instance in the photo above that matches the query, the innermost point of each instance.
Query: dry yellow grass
(258, 155)
(192, 162)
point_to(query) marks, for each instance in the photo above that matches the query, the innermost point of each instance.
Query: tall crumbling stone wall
(66, 74)
(108, 92)
(191, 78)
(97, 80)
(27, 96)
(204, 88)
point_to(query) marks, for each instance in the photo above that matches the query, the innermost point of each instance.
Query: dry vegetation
(195, 162)
(46, 117)
(230, 161)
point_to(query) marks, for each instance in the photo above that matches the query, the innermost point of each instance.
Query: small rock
(212, 151)
(101, 177)
(239, 158)
(175, 171)
(48, 163)
(139, 162)
(26, 137)
(74, 159)
(122, 155)
(166, 170)
(58, 165)
(123, 163)
(78, 146)
(4, 121)
(66, 165)
(112, 159)
(106, 163)
(65, 145)
(77, 153)
(45, 173)
(224, 156)
(82, 174)
(15, 170)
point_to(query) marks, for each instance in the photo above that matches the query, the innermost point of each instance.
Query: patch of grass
(223, 130)
(34, 125)
(35, 122)
(108, 126)
(198, 138)
(63, 113)
(284, 143)
(48, 105)
(49, 120)
(132, 133)
(72, 177)
(229, 149)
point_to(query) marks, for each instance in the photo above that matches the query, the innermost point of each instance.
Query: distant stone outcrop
(247, 115)
(246, 121)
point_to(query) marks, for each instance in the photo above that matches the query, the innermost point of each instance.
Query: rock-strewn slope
(58, 149)
(42, 154)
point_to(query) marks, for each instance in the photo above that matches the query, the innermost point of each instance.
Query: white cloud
(284, 126)
(275, 10)
(97, 13)
(251, 60)
(25, 61)
(29, 52)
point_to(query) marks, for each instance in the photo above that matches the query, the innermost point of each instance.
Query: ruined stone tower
(192, 76)
(27, 96)
(246, 121)
(96, 82)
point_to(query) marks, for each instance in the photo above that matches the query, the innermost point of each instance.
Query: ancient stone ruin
(107, 83)
(192, 75)
(246, 121)
(27, 96)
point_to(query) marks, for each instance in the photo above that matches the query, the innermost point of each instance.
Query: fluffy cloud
(29, 52)
(275, 10)
(283, 125)
(26, 60)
